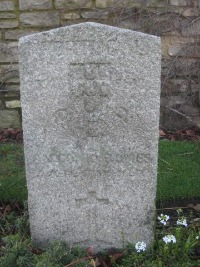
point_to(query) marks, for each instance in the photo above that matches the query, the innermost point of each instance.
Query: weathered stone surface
(40, 19)
(9, 52)
(174, 50)
(189, 51)
(9, 119)
(166, 23)
(71, 16)
(16, 34)
(34, 4)
(12, 90)
(191, 29)
(189, 12)
(7, 16)
(179, 2)
(104, 3)
(172, 120)
(13, 104)
(94, 15)
(90, 102)
(117, 4)
(9, 74)
(182, 66)
(179, 40)
(6, 6)
(174, 88)
(6, 24)
(157, 3)
(73, 3)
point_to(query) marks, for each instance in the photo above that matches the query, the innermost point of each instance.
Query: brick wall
(176, 21)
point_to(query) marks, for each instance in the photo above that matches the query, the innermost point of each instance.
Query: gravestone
(90, 102)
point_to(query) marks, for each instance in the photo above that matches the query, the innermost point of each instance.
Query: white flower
(169, 238)
(197, 237)
(182, 221)
(140, 246)
(163, 218)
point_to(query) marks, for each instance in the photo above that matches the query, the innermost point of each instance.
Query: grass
(178, 171)
(12, 173)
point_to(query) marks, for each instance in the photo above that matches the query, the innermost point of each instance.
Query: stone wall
(176, 21)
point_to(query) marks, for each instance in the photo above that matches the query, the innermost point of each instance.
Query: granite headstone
(90, 97)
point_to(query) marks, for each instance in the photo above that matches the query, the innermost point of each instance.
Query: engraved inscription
(102, 162)
(91, 90)
(90, 205)
(122, 113)
(91, 199)
(94, 93)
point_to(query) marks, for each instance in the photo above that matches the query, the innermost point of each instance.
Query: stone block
(16, 34)
(13, 104)
(165, 45)
(94, 15)
(165, 23)
(10, 77)
(157, 3)
(73, 3)
(176, 87)
(8, 72)
(12, 90)
(181, 41)
(70, 16)
(191, 28)
(40, 19)
(190, 12)
(190, 51)
(35, 4)
(180, 67)
(8, 24)
(179, 2)
(9, 52)
(174, 50)
(90, 96)
(104, 3)
(172, 120)
(9, 119)
(7, 16)
(7, 6)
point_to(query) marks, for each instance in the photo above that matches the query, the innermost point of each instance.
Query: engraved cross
(91, 200)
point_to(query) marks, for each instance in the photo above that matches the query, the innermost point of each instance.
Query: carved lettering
(102, 162)
(94, 93)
